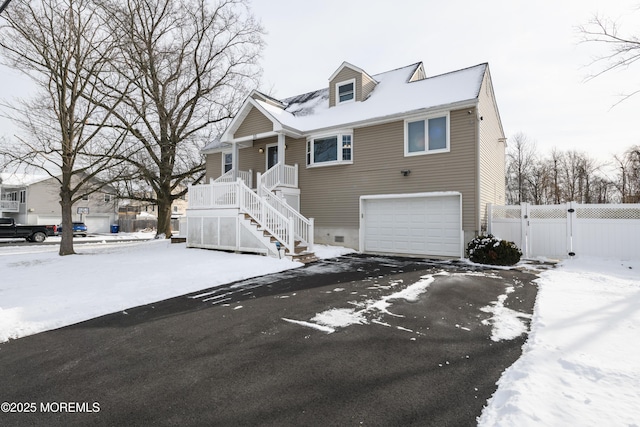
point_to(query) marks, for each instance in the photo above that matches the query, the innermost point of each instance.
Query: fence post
(571, 215)
(310, 231)
(525, 212)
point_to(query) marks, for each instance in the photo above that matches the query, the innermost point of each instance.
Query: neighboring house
(131, 211)
(394, 163)
(35, 199)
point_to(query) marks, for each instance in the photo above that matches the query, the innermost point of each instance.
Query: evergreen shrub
(491, 250)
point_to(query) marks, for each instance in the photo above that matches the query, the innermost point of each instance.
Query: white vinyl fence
(569, 229)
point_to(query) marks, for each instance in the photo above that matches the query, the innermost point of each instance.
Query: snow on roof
(394, 95)
(8, 179)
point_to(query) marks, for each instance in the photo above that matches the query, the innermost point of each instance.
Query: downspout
(478, 174)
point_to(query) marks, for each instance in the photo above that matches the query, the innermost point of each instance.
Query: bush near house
(491, 250)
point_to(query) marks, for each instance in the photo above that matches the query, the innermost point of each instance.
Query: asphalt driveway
(254, 352)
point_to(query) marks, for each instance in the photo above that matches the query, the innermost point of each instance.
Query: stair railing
(267, 217)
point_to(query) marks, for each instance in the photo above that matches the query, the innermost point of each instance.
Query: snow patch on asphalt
(507, 323)
(310, 325)
(344, 317)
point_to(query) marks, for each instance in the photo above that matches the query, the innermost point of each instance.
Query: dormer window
(346, 91)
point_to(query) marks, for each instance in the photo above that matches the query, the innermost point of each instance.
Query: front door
(272, 156)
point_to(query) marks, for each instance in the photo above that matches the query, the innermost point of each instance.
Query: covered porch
(248, 210)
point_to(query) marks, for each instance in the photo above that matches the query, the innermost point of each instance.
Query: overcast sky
(536, 61)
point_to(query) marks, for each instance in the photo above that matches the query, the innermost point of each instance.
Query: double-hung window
(346, 91)
(330, 149)
(426, 135)
(227, 162)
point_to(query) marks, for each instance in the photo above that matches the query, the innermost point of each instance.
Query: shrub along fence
(569, 229)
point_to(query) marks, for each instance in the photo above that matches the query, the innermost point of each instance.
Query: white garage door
(412, 224)
(97, 224)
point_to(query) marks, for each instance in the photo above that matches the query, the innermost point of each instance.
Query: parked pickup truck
(31, 233)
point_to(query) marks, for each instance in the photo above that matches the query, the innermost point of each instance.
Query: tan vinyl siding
(331, 194)
(492, 150)
(345, 74)
(367, 87)
(214, 167)
(248, 159)
(255, 123)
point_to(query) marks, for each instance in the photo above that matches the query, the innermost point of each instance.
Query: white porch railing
(280, 175)
(9, 206)
(303, 227)
(267, 217)
(214, 195)
(246, 176)
(270, 212)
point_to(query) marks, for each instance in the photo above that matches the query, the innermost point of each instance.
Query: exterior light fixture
(405, 172)
(260, 150)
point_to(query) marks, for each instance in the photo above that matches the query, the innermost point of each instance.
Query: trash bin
(115, 228)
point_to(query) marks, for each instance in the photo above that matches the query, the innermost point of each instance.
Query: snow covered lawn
(40, 291)
(580, 365)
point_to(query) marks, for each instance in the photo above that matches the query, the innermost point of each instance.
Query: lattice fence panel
(548, 212)
(608, 212)
(506, 212)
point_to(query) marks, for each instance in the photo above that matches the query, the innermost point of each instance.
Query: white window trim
(426, 135)
(338, 136)
(346, 82)
(266, 155)
(224, 153)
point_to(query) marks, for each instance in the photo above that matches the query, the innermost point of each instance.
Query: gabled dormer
(418, 74)
(349, 84)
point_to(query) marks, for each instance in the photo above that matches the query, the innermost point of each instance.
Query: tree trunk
(164, 218)
(66, 245)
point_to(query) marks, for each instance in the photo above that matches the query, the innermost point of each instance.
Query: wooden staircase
(300, 254)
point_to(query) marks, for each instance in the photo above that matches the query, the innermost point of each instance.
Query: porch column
(281, 158)
(234, 160)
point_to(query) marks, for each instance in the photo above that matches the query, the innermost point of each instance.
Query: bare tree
(520, 160)
(188, 65)
(628, 182)
(60, 45)
(539, 182)
(623, 49)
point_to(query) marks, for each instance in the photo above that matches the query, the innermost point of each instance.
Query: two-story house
(35, 199)
(393, 163)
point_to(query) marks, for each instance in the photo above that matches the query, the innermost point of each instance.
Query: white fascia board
(227, 136)
(411, 195)
(353, 67)
(237, 120)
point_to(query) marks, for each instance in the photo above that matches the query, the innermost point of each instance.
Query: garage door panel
(414, 225)
(97, 224)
